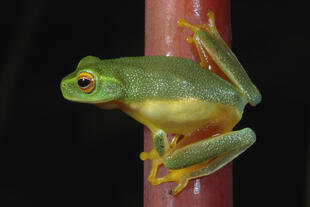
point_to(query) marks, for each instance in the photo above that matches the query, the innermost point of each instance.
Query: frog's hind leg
(205, 157)
(209, 42)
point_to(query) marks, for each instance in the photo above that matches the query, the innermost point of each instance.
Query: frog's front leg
(161, 146)
(204, 157)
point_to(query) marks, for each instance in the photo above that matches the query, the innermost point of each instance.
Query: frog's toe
(152, 155)
(154, 181)
(152, 176)
(181, 184)
(173, 176)
(144, 156)
(156, 163)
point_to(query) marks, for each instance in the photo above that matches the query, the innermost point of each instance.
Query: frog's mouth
(71, 92)
(75, 95)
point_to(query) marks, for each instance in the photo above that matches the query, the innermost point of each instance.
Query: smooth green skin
(156, 78)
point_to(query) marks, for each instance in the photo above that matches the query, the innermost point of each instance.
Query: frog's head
(88, 85)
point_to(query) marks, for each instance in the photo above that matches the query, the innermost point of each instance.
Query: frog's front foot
(156, 155)
(172, 176)
(156, 163)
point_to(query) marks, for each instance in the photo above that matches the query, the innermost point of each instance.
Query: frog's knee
(248, 136)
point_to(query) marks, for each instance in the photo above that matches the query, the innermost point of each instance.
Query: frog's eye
(86, 82)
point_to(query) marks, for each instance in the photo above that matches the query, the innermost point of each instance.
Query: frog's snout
(64, 87)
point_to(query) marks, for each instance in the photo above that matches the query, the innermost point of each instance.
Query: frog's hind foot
(208, 27)
(213, 153)
(173, 176)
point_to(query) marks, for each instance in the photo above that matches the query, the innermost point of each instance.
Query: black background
(57, 153)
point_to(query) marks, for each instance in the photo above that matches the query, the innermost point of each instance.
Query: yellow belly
(180, 116)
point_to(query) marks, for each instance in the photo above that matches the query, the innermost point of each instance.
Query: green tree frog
(172, 95)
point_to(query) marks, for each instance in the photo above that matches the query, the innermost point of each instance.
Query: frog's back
(162, 78)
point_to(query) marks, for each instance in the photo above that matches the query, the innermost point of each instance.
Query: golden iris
(86, 82)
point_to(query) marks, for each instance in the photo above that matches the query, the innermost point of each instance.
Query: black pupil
(83, 82)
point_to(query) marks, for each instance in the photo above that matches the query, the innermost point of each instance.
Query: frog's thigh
(205, 157)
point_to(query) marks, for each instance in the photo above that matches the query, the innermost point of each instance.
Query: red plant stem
(164, 37)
